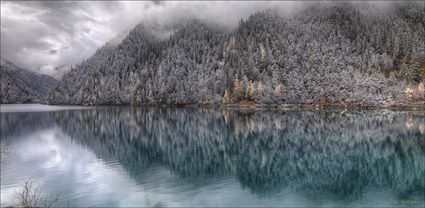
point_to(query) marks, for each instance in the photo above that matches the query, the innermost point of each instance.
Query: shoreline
(407, 105)
(411, 105)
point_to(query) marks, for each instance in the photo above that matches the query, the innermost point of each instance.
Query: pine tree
(414, 72)
(404, 72)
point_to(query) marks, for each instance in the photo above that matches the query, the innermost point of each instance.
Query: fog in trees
(341, 52)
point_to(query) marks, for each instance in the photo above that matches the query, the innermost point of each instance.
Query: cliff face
(20, 85)
(337, 52)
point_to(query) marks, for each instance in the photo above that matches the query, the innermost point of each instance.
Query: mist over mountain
(20, 85)
(340, 52)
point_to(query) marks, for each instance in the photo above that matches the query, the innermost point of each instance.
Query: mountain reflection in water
(340, 155)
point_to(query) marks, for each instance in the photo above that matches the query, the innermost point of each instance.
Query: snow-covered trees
(335, 52)
(19, 85)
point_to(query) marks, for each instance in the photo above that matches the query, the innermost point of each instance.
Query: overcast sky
(49, 37)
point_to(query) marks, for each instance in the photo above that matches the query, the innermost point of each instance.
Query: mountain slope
(144, 67)
(20, 85)
(330, 53)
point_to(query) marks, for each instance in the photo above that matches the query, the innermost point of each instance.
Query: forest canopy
(332, 53)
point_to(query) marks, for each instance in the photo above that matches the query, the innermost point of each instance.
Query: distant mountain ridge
(19, 85)
(333, 53)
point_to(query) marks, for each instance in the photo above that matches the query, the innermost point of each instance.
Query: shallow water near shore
(135, 156)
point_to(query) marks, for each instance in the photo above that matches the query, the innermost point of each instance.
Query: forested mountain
(338, 52)
(20, 85)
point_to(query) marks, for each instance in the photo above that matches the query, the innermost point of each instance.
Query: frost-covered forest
(337, 52)
(20, 85)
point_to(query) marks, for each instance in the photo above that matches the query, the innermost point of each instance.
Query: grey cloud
(53, 51)
(49, 37)
(35, 34)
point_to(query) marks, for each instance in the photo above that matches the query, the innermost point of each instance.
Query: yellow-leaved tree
(226, 97)
(238, 88)
(251, 90)
(421, 89)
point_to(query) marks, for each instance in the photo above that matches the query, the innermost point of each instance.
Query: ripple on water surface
(121, 156)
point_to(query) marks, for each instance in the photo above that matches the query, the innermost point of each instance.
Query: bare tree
(32, 196)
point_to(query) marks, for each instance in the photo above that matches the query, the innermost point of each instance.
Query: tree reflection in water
(340, 153)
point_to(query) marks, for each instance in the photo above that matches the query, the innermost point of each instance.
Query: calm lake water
(123, 156)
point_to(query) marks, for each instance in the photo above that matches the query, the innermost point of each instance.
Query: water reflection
(15, 126)
(281, 158)
(341, 154)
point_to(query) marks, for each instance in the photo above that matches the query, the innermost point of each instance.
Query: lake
(168, 157)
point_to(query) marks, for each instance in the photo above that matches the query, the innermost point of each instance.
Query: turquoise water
(168, 157)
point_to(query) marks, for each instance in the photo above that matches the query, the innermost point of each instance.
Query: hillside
(20, 85)
(329, 53)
